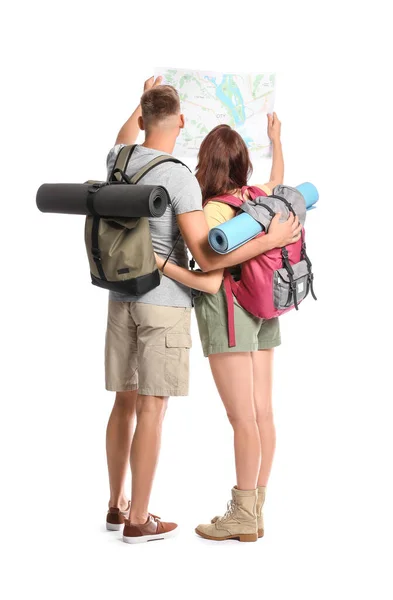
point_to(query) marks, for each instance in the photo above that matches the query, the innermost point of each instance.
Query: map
(209, 99)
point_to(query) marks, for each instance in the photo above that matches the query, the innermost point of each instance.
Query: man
(148, 337)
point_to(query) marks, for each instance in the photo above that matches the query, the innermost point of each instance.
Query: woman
(243, 374)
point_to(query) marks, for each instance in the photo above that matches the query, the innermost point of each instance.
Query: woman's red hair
(223, 162)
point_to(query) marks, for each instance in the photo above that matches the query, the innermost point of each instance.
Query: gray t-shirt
(186, 196)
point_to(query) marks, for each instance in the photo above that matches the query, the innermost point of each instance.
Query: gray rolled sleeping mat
(120, 200)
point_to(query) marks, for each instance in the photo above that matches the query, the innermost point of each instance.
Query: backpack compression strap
(228, 279)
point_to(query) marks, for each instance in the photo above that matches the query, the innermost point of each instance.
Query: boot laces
(231, 506)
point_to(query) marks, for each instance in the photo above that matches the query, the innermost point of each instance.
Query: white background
(72, 74)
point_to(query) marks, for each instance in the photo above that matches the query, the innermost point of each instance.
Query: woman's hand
(284, 234)
(273, 127)
(160, 261)
(150, 83)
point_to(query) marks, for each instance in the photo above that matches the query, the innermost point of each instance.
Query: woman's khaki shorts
(147, 348)
(252, 333)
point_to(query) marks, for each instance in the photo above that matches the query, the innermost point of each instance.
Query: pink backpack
(272, 283)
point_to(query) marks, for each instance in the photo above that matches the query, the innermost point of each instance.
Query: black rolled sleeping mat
(114, 200)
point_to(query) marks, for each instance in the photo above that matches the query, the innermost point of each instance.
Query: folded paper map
(209, 99)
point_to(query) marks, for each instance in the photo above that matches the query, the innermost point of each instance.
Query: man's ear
(141, 124)
(182, 122)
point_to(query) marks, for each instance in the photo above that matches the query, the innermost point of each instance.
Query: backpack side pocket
(283, 295)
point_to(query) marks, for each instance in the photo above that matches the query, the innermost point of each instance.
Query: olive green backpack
(120, 250)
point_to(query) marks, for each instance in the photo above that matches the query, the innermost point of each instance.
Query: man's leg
(163, 342)
(163, 357)
(121, 372)
(119, 434)
(144, 453)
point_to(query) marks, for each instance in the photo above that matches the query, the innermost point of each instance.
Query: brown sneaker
(153, 529)
(115, 517)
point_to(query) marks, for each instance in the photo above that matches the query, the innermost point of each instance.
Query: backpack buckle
(94, 187)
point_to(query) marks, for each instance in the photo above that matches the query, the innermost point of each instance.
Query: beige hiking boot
(239, 521)
(260, 503)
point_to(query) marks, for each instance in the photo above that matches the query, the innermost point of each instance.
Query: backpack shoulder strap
(121, 162)
(159, 160)
(253, 191)
(123, 158)
(226, 199)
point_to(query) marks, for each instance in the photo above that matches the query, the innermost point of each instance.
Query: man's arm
(194, 229)
(129, 132)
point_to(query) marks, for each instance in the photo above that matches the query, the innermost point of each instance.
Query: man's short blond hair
(158, 103)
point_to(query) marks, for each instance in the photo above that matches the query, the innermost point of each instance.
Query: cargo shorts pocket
(177, 351)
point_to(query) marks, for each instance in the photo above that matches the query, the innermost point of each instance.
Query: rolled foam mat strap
(116, 200)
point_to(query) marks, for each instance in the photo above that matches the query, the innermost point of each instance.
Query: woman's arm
(204, 282)
(274, 133)
(129, 132)
(194, 229)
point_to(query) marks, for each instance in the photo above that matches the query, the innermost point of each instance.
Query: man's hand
(273, 127)
(284, 234)
(128, 134)
(150, 83)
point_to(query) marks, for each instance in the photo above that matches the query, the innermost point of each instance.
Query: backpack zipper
(269, 210)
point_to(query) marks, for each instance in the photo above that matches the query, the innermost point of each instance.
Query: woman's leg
(233, 375)
(119, 434)
(262, 362)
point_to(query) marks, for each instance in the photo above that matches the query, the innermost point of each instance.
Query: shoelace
(231, 505)
(155, 517)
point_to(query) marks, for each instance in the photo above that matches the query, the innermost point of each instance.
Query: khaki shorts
(147, 348)
(252, 333)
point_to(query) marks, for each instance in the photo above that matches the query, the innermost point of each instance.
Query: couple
(148, 337)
